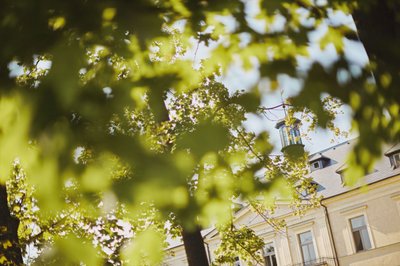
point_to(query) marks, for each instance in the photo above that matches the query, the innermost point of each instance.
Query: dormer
(306, 192)
(319, 161)
(341, 170)
(394, 155)
(318, 187)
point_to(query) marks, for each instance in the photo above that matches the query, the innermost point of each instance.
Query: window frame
(300, 245)
(298, 228)
(237, 262)
(268, 254)
(351, 213)
(358, 229)
(318, 163)
(393, 161)
(396, 198)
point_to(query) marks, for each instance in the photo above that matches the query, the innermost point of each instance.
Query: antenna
(283, 102)
(290, 134)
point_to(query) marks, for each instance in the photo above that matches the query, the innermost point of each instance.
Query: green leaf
(249, 101)
(204, 138)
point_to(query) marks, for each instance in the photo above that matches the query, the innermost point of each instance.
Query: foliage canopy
(123, 124)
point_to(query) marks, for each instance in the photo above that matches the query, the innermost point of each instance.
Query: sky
(238, 79)
(315, 141)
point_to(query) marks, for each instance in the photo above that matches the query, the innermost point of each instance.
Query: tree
(121, 90)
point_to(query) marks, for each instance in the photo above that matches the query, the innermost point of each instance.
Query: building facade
(354, 226)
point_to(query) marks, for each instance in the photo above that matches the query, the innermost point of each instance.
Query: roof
(317, 156)
(329, 177)
(342, 168)
(282, 122)
(393, 149)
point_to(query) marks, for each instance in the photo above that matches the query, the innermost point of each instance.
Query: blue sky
(238, 79)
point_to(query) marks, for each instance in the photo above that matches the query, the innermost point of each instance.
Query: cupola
(290, 135)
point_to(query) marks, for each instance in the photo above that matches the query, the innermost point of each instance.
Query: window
(289, 135)
(295, 134)
(269, 255)
(395, 160)
(284, 134)
(360, 233)
(317, 186)
(306, 192)
(237, 262)
(307, 247)
(396, 198)
(320, 163)
(315, 166)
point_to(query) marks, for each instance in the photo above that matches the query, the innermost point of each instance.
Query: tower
(290, 136)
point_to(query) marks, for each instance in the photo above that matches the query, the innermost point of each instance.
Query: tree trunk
(194, 247)
(10, 252)
(192, 239)
(378, 28)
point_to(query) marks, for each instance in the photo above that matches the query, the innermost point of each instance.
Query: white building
(353, 226)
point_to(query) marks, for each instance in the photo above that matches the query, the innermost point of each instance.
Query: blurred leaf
(249, 101)
(146, 248)
(75, 251)
(204, 138)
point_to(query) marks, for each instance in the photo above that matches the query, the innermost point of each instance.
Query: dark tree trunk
(194, 247)
(378, 27)
(192, 239)
(10, 252)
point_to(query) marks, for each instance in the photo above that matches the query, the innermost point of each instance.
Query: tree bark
(192, 238)
(10, 251)
(194, 247)
(378, 29)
